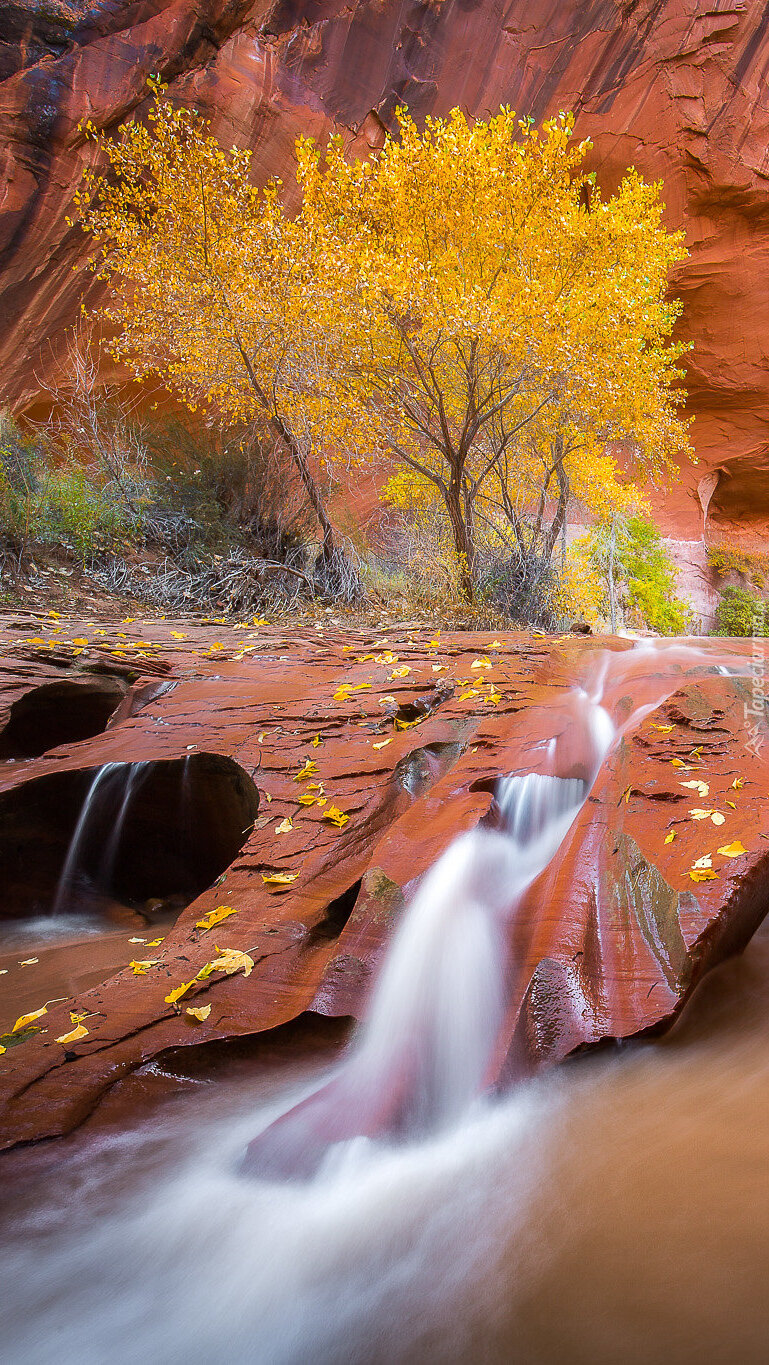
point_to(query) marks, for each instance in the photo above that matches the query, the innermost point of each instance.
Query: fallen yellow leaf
(74, 1036)
(737, 784)
(202, 1012)
(25, 1019)
(705, 861)
(401, 672)
(483, 662)
(699, 874)
(231, 960)
(336, 816)
(141, 968)
(279, 878)
(215, 917)
(670, 837)
(285, 826)
(715, 815)
(309, 769)
(696, 785)
(383, 743)
(178, 992)
(316, 741)
(734, 850)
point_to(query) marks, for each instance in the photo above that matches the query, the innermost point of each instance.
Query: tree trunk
(612, 598)
(295, 451)
(316, 502)
(559, 520)
(463, 541)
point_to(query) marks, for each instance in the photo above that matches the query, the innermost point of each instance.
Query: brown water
(616, 1210)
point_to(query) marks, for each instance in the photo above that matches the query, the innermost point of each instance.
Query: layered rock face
(675, 87)
(280, 796)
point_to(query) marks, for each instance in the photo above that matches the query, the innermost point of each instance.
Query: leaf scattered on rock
(231, 960)
(308, 769)
(734, 850)
(336, 816)
(25, 1019)
(178, 992)
(200, 1013)
(74, 1035)
(216, 916)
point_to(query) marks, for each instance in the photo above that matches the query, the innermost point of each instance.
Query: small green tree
(630, 554)
(740, 612)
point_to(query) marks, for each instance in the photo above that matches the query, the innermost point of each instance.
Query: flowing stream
(612, 1210)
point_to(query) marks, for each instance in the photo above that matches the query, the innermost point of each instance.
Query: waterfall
(80, 834)
(113, 783)
(421, 1059)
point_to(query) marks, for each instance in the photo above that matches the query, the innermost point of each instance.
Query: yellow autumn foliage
(463, 307)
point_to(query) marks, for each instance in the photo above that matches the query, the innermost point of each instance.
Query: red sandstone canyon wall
(676, 87)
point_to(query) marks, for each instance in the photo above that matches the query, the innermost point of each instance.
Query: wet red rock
(608, 944)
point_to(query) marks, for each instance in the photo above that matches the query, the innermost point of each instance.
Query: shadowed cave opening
(741, 496)
(59, 713)
(148, 836)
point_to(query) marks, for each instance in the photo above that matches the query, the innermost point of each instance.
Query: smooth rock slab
(607, 944)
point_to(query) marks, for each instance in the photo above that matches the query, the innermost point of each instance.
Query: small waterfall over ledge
(422, 1058)
(119, 842)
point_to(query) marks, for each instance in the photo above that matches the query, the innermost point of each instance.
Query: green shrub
(644, 575)
(750, 564)
(740, 612)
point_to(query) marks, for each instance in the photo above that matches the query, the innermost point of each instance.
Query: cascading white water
(439, 1000)
(420, 1060)
(105, 787)
(80, 833)
(132, 780)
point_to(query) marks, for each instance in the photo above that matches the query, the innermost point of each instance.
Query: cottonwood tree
(213, 289)
(512, 326)
(453, 307)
